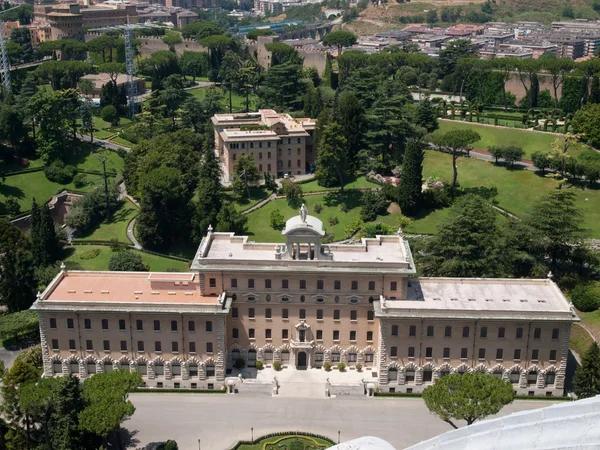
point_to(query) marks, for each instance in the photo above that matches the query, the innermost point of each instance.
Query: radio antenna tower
(5, 60)
(129, 55)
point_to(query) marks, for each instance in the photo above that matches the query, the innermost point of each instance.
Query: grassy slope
(580, 339)
(359, 183)
(238, 101)
(116, 227)
(530, 141)
(100, 262)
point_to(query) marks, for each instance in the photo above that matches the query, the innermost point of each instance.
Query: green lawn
(116, 228)
(120, 141)
(427, 221)
(528, 140)
(259, 227)
(92, 161)
(103, 130)
(238, 101)
(359, 183)
(517, 189)
(80, 254)
(580, 339)
(257, 194)
(287, 442)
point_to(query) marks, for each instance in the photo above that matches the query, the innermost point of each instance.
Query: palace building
(303, 304)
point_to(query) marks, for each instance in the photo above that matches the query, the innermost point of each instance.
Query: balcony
(302, 344)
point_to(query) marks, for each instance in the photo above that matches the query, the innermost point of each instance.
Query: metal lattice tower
(129, 55)
(5, 61)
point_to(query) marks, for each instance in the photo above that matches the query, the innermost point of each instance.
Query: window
(173, 325)
(191, 326)
(352, 335)
(519, 334)
(157, 325)
(448, 332)
(212, 282)
(71, 344)
(370, 315)
(369, 357)
(208, 325)
(87, 324)
(336, 335)
(209, 349)
(501, 333)
(464, 352)
(105, 324)
(394, 330)
(555, 333)
(106, 345)
(54, 344)
(285, 313)
(371, 285)
(430, 330)
(412, 330)
(175, 347)
(234, 312)
(70, 324)
(319, 314)
(335, 357)
(427, 375)
(466, 332)
(320, 284)
(121, 324)
(394, 286)
(139, 325)
(157, 346)
(537, 333)
(250, 283)
(140, 346)
(337, 285)
(268, 313)
(123, 346)
(284, 334)
(499, 354)
(319, 335)
(353, 315)
(552, 355)
(234, 282)
(336, 314)
(235, 334)
(354, 285)
(446, 353)
(267, 284)
(393, 351)
(369, 335)
(534, 354)
(483, 332)
(517, 356)
(89, 345)
(428, 352)
(482, 353)
(192, 347)
(411, 352)
(284, 284)
(251, 313)
(268, 333)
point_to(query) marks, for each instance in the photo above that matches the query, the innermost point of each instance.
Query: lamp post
(252, 433)
(198, 444)
(339, 436)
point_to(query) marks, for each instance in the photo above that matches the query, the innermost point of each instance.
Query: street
(219, 421)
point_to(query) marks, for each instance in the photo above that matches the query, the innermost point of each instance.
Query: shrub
(90, 254)
(373, 203)
(359, 367)
(12, 206)
(59, 172)
(277, 366)
(327, 367)
(277, 220)
(79, 180)
(169, 445)
(259, 365)
(239, 363)
(86, 213)
(293, 193)
(127, 262)
(317, 208)
(586, 297)
(109, 114)
(333, 221)
(341, 367)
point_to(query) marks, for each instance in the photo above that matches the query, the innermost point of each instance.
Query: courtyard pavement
(219, 421)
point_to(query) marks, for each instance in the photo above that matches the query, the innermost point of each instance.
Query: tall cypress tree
(595, 90)
(17, 281)
(409, 191)
(586, 382)
(35, 220)
(534, 91)
(46, 245)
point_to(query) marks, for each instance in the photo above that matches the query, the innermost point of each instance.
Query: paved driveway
(221, 420)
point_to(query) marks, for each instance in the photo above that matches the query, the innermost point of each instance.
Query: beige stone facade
(279, 143)
(305, 304)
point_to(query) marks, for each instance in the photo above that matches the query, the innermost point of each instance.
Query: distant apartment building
(537, 47)
(279, 143)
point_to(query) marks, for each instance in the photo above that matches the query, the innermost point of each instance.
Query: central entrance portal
(301, 363)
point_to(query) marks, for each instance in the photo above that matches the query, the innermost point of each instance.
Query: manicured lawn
(518, 189)
(92, 161)
(259, 225)
(257, 194)
(528, 140)
(580, 339)
(287, 442)
(238, 101)
(85, 256)
(116, 228)
(359, 183)
(426, 222)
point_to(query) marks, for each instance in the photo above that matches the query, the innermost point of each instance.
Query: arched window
(444, 372)
(289, 164)
(393, 374)
(550, 377)
(410, 376)
(108, 366)
(269, 155)
(176, 369)
(285, 357)
(235, 355)
(251, 358)
(514, 376)
(210, 370)
(193, 370)
(159, 369)
(74, 367)
(56, 367)
(498, 373)
(352, 357)
(268, 356)
(125, 366)
(260, 168)
(532, 377)
(427, 376)
(91, 367)
(268, 167)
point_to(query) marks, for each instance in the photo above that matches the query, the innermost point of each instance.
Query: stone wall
(151, 44)
(515, 87)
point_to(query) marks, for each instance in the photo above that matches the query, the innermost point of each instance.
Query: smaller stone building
(100, 79)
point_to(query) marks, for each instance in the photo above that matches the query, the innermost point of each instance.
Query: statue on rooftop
(303, 213)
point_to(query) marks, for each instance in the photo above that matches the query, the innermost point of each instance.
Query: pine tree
(586, 382)
(17, 281)
(426, 116)
(28, 90)
(534, 91)
(595, 90)
(350, 114)
(409, 191)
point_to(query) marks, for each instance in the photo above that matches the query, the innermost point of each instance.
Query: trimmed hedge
(516, 397)
(180, 391)
(282, 434)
